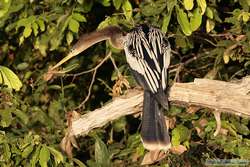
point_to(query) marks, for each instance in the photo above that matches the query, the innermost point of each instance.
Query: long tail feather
(154, 132)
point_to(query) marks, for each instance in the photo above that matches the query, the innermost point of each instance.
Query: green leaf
(209, 25)
(79, 17)
(2, 137)
(244, 4)
(57, 155)
(15, 150)
(102, 155)
(35, 156)
(209, 13)
(55, 41)
(20, 114)
(127, 9)
(247, 64)
(180, 134)
(87, 5)
(181, 42)
(166, 18)
(117, 4)
(9, 78)
(80, 1)
(25, 22)
(229, 127)
(203, 5)
(27, 31)
(119, 125)
(22, 66)
(107, 22)
(73, 25)
(70, 67)
(245, 17)
(226, 57)
(242, 151)
(54, 87)
(63, 22)
(165, 22)
(188, 4)
(41, 24)
(44, 156)
(241, 128)
(196, 19)
(6, 151)
(21, 39)
(174, 110)
(70, 86)
(171, 4)
(183, 21)
(27, 151)
(78, 162)
(69, 37)
(6, 117)
(4, 7)
(152, 8)
(229, 146)
(105, 3)
(35, 28)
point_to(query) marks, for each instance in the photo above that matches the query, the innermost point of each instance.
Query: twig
(218, 122)
(93, 79)
(114, 64)
(92, 69)
(89, 90)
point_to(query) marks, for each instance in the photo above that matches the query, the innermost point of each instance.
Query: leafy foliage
(209, 39)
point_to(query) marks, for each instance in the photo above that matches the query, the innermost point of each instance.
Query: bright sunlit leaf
(210, 25)
(27, 31)
(73, 25)
(195, 20)
(209, 13)
(6, 118)
(183, 21)
(127, 9)
(203, 5)
(179, 134)
(117, 4)
(79, 17)
(69, 37)
(9, 78)
(57, 155)
(188, 4)
(44, 156)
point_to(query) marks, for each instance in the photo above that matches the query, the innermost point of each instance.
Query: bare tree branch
(221, 96)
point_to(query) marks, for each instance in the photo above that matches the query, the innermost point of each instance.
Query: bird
(148, 53)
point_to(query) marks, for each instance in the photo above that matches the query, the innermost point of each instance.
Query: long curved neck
(112, 33)
(87, 40)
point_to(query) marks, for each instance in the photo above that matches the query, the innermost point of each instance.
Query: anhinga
(148, 54)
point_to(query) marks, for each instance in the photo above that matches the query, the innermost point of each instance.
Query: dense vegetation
(209, 38)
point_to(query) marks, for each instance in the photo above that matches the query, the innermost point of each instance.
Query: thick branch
(222, 96)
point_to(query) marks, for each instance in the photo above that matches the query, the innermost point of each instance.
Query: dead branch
(221, 96)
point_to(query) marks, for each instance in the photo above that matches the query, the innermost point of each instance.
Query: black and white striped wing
(148, 54)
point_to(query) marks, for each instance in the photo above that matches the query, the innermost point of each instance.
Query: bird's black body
(148, 55)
